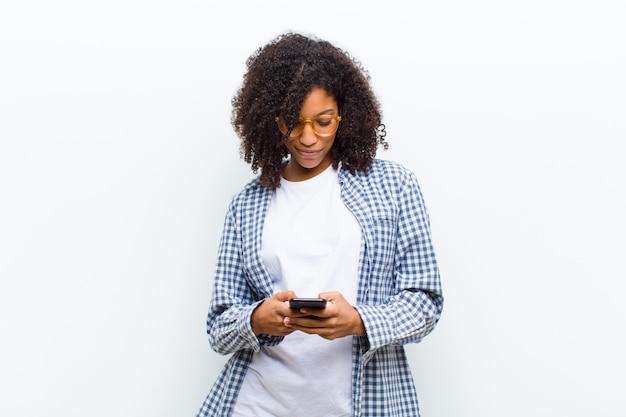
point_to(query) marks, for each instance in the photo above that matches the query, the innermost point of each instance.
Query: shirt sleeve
(415, 303)
(232, 303)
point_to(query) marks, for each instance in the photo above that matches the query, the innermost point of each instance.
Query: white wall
(117, 160)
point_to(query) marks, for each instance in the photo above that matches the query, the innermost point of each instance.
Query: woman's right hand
(268, 317)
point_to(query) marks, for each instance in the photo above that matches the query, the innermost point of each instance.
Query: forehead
(318, 102)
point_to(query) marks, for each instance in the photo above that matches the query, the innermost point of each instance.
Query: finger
(315, 312)
(307, 322)
(320, 331)
(298, 313)
(331, 296)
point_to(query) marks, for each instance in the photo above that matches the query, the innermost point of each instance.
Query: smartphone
(298, 303)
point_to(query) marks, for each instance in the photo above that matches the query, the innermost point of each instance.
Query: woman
(323, 219)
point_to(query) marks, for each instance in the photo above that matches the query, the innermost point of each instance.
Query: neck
(294, 172)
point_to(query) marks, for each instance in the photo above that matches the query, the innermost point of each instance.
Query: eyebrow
(327, 111)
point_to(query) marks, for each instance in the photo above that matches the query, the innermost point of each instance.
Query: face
(310, 153)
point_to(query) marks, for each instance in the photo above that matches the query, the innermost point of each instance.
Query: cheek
(289, 146)
(330, 143)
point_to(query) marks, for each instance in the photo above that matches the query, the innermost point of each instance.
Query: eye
(324, 120)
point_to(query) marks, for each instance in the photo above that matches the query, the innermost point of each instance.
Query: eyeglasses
(323, 125)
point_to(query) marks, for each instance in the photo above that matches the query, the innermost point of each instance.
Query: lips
(307, 153)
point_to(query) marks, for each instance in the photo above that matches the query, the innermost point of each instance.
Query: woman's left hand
(338, 319)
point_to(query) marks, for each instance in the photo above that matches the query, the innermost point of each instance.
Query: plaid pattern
(399, 292)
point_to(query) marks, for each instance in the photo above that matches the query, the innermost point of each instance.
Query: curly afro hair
(279, 77)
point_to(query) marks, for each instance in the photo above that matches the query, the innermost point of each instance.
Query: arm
(413, 304)
(233, 302)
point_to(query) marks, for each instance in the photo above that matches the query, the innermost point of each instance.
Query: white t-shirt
(311, 243)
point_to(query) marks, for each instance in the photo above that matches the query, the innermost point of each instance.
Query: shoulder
(382, 173)
(252, 196)
(389, 169)
(385, 188)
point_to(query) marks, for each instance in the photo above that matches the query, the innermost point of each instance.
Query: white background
(117, 160)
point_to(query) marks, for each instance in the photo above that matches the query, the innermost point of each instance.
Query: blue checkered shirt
(399, 291)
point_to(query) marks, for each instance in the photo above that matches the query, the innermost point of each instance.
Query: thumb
(285, 295)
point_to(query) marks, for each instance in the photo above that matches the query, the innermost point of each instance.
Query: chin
(308, 164)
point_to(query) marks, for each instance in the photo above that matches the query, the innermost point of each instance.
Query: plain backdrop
(117, 162)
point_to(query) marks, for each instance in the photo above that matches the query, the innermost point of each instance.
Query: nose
(308, 136)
